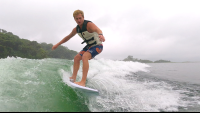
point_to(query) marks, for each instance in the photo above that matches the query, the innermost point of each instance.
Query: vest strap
(87, 40)
(89, 45)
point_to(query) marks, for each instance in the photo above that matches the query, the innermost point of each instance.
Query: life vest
(92, 39)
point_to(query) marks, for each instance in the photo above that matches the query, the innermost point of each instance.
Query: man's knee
(77, 57)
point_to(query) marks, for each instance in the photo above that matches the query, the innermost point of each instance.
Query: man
(91, 35)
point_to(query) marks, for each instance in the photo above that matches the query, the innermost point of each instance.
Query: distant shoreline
(130, 58)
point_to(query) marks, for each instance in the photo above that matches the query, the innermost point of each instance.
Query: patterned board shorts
(95, 50)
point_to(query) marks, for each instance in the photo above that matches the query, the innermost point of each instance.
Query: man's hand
(101, 37)
(54, 47)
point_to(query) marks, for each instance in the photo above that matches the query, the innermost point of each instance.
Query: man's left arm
(93, 28)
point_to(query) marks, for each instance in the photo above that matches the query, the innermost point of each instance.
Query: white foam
(119, 94)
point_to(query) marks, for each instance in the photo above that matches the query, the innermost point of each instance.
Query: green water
(28, 85)
(36, 86)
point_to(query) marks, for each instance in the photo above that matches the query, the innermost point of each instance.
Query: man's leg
(85, 58)
(76, 66)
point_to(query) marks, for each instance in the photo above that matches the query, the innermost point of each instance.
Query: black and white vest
(92, 39)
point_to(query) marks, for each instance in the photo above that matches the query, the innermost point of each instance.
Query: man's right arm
(65, 39)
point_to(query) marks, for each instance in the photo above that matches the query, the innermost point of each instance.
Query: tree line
(12, 45)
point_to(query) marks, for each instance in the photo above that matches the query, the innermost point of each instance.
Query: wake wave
(121, 91)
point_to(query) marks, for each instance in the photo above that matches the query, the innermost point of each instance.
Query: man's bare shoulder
(91, 26)
(73, 32)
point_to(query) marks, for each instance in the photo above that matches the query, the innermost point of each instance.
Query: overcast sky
(144, 29)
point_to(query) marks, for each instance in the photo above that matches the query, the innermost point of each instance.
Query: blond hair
(78, 12)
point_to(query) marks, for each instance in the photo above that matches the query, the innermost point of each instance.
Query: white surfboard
(82, 88)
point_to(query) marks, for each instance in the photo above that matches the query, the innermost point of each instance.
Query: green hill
(12, 45)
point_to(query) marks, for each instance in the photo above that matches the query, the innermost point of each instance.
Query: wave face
(41, 85)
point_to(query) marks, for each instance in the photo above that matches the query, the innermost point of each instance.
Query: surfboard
(82, 88)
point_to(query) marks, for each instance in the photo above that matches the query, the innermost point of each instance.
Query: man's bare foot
(72, 79)
(80, 83)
